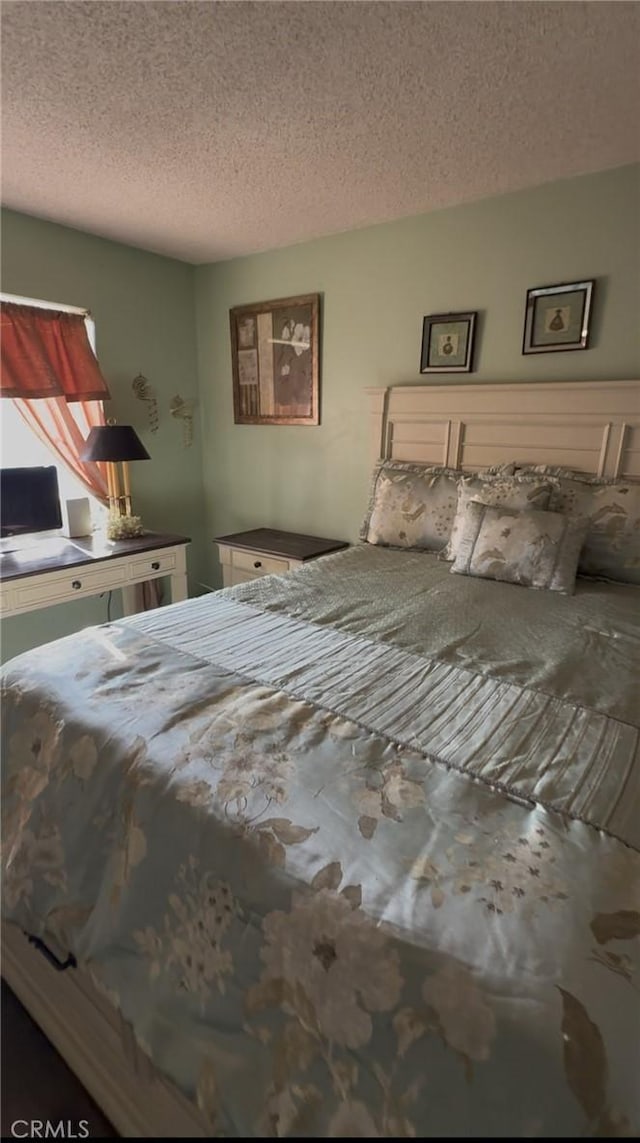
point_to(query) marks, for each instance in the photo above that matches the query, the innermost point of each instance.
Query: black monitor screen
(29, 500)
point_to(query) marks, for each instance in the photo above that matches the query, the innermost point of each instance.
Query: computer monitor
(29, 501)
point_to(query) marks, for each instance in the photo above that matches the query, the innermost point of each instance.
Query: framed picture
(274, 354)
(447, 343)
(557, 317)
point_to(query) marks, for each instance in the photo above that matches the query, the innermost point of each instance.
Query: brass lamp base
(122, 524)
(120, 505)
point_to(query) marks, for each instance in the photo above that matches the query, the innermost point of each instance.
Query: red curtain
(46, 353)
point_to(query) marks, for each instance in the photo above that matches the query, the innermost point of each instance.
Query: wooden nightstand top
(290, 545)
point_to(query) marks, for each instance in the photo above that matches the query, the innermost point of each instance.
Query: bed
(354, 851)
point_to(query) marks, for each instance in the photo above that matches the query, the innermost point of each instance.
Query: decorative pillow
(508, 491)
(551, 470)
(411, 505)
(531, 548)
(612, 510)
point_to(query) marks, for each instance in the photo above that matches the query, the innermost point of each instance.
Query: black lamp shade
(114, 442)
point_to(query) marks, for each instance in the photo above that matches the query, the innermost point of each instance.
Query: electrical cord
(108, 594)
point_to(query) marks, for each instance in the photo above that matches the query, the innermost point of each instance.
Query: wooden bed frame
(589, 426)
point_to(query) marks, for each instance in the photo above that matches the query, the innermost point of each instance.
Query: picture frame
(557, 318)
(448, 343)
(275, 361)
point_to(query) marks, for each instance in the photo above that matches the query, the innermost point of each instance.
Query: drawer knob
(76, 584)
(155, 565)
(257, 563)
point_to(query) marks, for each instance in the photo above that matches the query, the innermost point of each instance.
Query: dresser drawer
(231, 576)
(153, 564)
(81, 581)
(257, 564)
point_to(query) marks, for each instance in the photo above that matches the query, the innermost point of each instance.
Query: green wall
(153, 313)
(377, 284)
(143, 306)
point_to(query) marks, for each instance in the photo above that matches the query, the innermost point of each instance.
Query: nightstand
(266, 551)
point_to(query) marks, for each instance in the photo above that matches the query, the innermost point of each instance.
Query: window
(20, 447)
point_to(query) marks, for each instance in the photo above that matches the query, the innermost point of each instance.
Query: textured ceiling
(205, 130)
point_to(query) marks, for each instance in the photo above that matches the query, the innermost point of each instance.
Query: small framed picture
(557, 317)
(447, 343)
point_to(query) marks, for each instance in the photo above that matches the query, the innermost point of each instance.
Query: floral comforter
(347, 876)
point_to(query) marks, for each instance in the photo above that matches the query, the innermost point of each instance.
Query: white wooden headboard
(591, 426)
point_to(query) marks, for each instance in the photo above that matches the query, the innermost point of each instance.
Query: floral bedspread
(320, 925)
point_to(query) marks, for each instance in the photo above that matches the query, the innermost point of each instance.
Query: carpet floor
(37, 1084)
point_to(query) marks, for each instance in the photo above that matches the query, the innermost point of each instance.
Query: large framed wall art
(275, 360)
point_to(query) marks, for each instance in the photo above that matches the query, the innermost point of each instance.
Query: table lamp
(117, 444)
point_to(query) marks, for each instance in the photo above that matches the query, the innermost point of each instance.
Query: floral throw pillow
(518, 492)
(411, 505)
(531, 548)
(611, 509)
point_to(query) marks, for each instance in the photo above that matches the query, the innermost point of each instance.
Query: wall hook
(183, 410)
